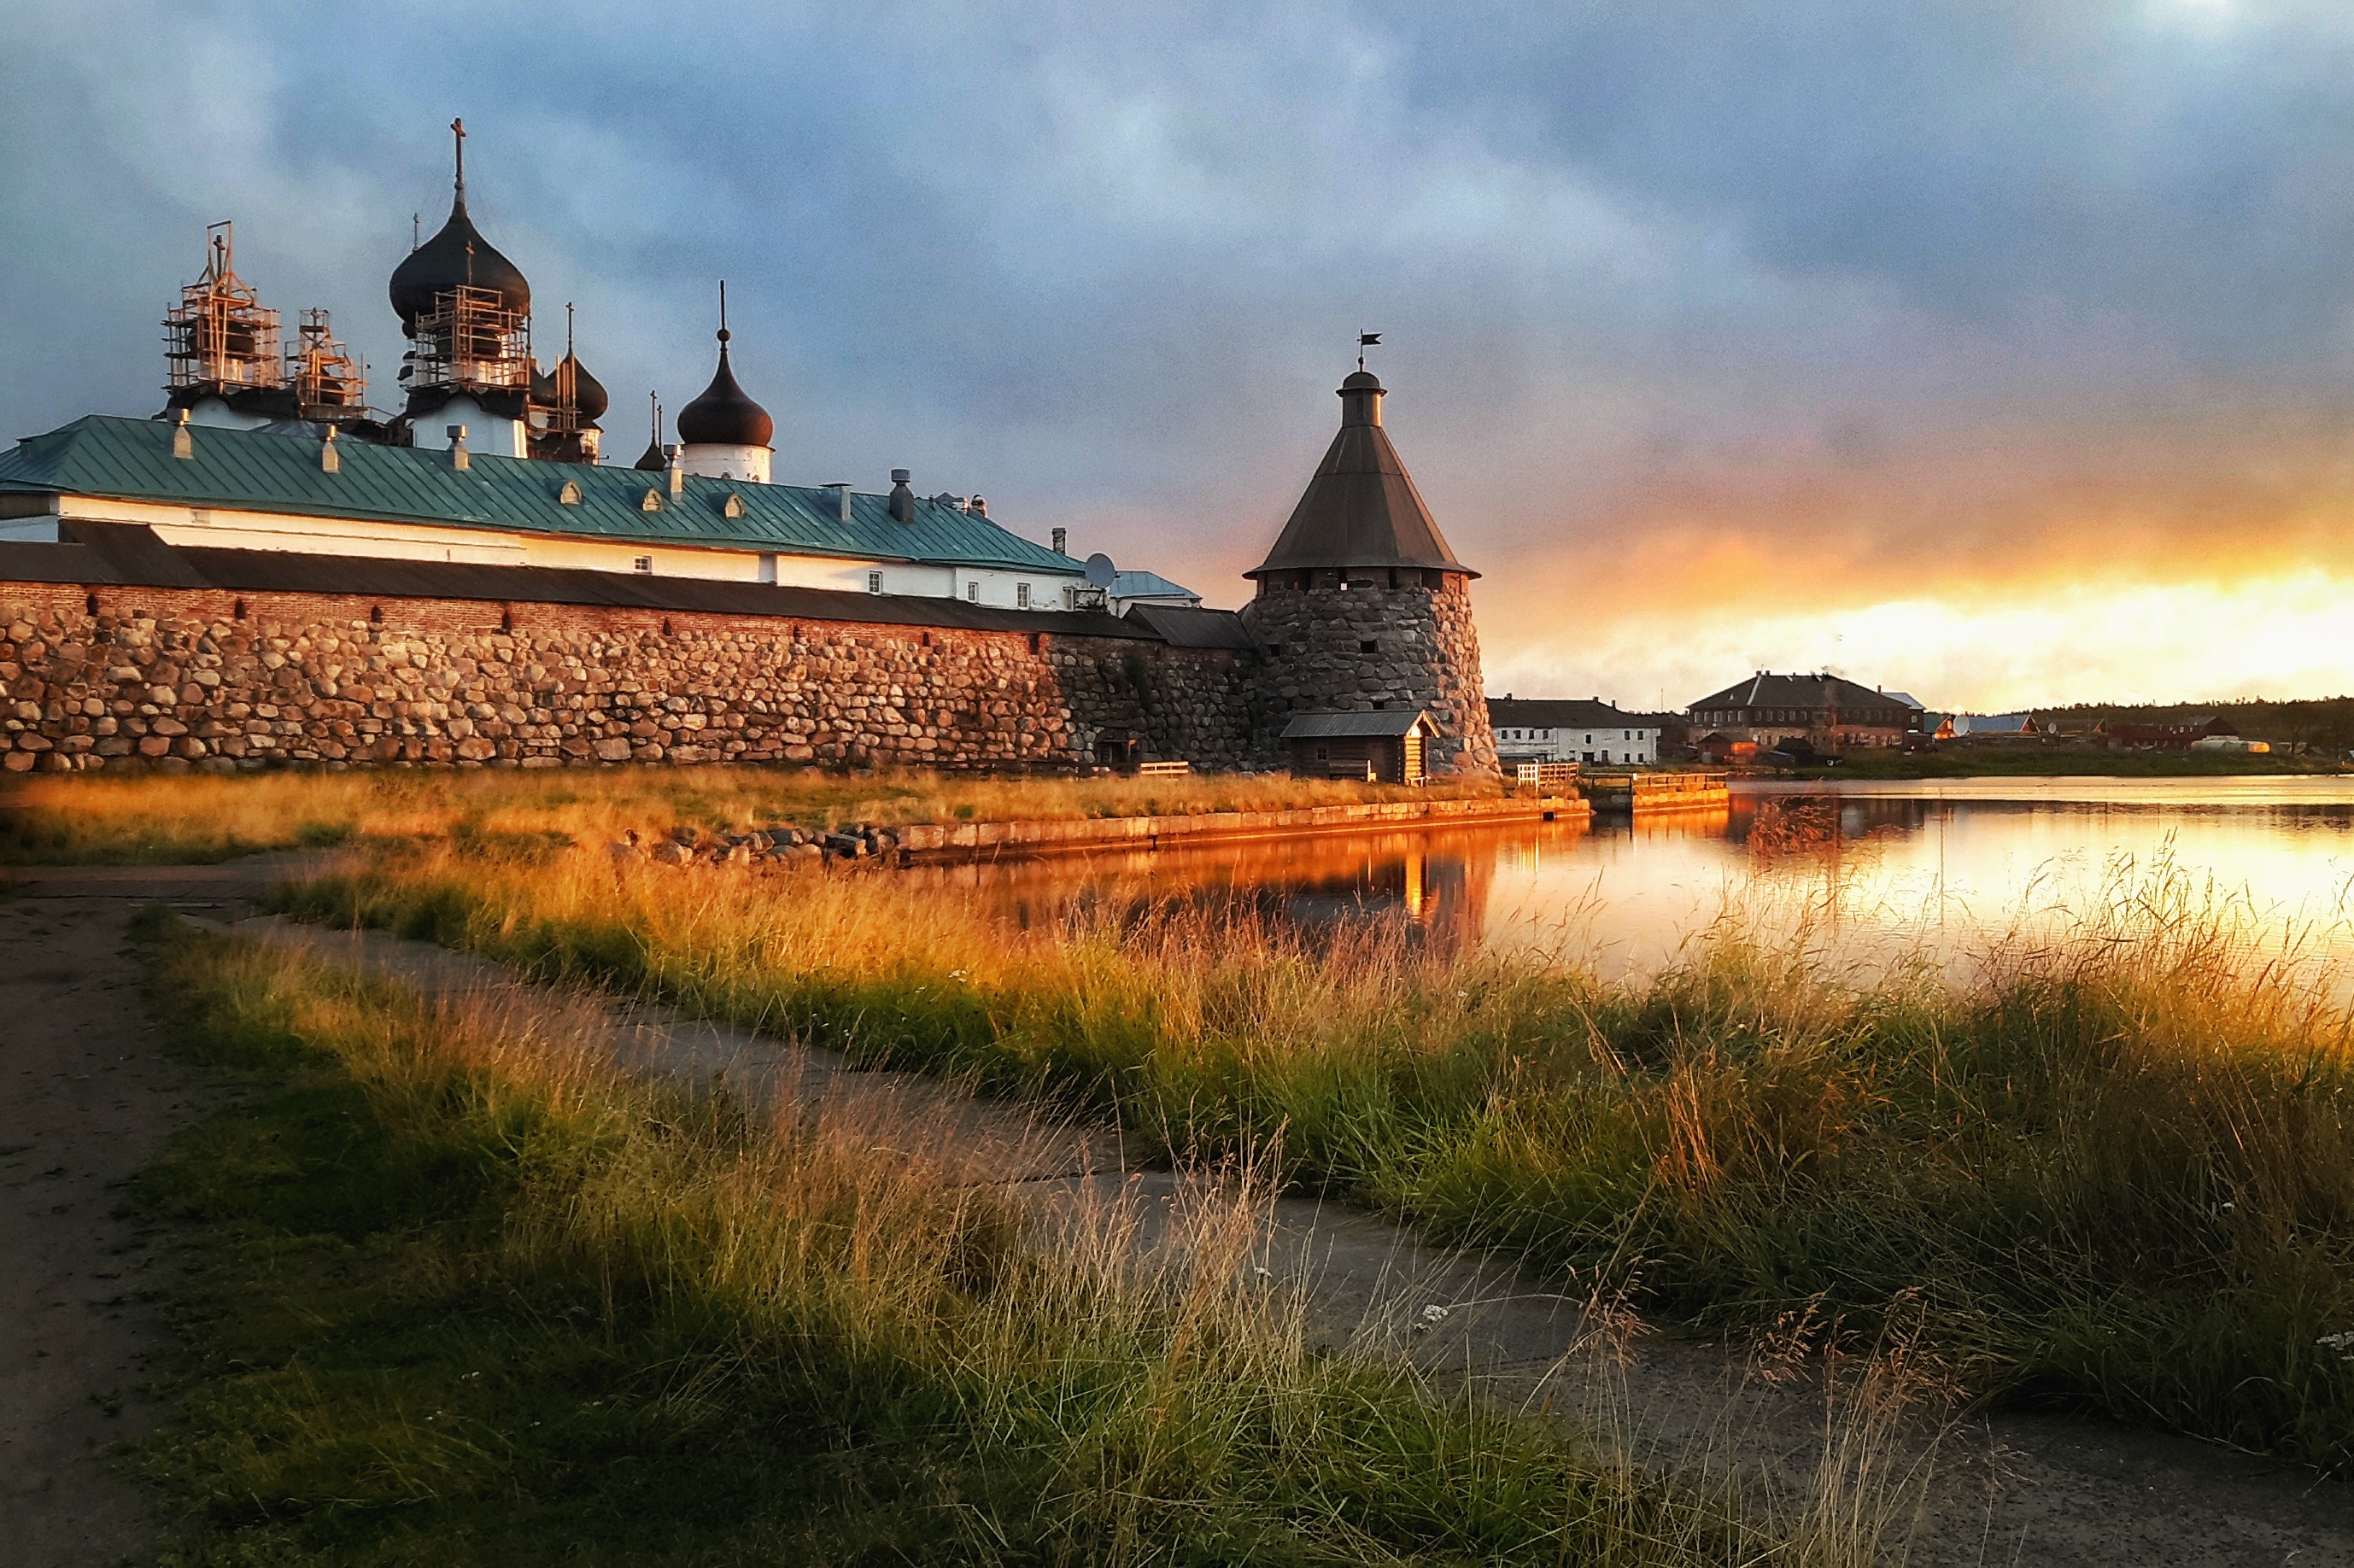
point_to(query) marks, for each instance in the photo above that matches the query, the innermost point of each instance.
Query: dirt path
(2013, 1489)
(86, 1098)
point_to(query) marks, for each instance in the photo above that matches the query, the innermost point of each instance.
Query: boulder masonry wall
(1355, 645)
(175, 679)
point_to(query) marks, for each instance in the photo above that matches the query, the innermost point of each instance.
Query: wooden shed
(1385, 747)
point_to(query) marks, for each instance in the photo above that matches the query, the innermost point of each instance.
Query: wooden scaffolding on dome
(329, 386)
(470, 340)
(220, 338)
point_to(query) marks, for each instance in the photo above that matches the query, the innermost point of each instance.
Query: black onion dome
(588, 397)
(724, 416)
(654, 461)
(442, 263)
(543, 386)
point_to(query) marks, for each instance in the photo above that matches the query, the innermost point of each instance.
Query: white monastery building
(494, 460)
(1570, 729)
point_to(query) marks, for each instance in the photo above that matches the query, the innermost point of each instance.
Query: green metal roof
(131, 460)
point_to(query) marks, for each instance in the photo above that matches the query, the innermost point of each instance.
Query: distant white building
(1570, 729)
(1148, 588)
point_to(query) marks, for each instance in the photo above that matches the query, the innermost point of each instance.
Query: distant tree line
(2321, 723)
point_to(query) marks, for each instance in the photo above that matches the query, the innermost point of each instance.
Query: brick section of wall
(174, 679)
(1425, 653)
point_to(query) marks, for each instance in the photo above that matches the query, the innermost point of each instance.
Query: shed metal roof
(1190, 626)
(255, 470)
(1392, 723)
(1995, 724)
(1141, 585)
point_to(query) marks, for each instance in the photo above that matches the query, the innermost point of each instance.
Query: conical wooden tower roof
(1362, 508)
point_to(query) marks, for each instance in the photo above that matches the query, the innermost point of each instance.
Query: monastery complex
(269, 571)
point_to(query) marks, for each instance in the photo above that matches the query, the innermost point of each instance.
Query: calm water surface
(1874, 870)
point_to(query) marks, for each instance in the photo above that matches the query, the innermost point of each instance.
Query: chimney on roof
(978, 506)
(183, 444)
(677, 469)
(1062, 539)
(903, 500)
(330, 461)
(458, 457)
(841, 488)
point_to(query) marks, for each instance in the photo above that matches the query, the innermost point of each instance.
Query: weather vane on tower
(1366, 340)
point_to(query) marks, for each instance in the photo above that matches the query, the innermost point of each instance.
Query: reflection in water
(1880, 874)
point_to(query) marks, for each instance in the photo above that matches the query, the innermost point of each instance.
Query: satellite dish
(1099, 570)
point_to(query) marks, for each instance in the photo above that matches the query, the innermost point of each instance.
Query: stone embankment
(785, 844)
(178, 679)
(982, 840)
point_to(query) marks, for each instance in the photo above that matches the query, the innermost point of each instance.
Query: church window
(570, 494)
(972, 593)
(875, 582)
(652, 503)
(1021, 596)
(642, 563)
(735, 506)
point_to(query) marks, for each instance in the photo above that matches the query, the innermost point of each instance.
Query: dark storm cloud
(2186, 165)
(1106, 262)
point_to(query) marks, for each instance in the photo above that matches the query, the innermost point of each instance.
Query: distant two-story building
(1828, 713)
(1570, 729)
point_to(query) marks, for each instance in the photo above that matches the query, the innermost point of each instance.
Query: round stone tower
(1361, 605)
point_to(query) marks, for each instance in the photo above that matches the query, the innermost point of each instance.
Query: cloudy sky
(2001, 352)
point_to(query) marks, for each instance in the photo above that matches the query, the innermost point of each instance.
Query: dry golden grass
(621, 1321)
(59, 820)
(2116, 1169)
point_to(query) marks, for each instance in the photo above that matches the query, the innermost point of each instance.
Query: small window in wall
(1070, 599)
(1369, 646)
(875, 582)
(972, 593)
(1022, 595)
(642, 563)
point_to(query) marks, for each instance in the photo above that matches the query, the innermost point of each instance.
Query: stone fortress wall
(175, 679)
